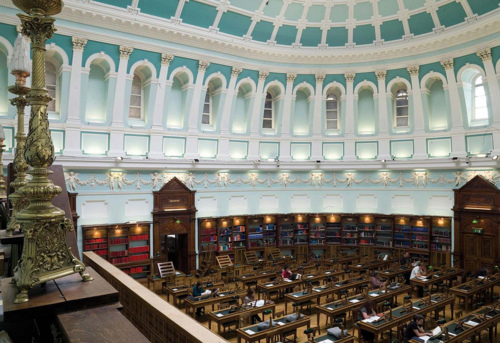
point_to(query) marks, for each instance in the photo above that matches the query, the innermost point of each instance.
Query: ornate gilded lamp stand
(46, 255)
(3, 190)
(21, 66)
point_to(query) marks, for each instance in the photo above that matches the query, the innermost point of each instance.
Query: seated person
(288, 275)
(367, 311)
(249, 297)
(405, 259)
(419, 271)
(415, 329)
(198, 291)
(376, 282)
(481, 272)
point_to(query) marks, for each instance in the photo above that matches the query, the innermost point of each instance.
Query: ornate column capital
(263, 75)
(125, 52)
(166, 59)
(413, 70)
(381, 74)
(78, 43)
(235, 71)
(320, 78)
(290, 77)
(447, 64)
(202, 66)
(485, 54)
(349, 77)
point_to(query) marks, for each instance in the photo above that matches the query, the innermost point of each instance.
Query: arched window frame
(207, 114)
(134, 95)
(268, 115)
(52, 84)
(478, 93)
(332, 111)
(401, 102)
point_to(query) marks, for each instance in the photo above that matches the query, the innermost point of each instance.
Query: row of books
(144, 237)
(119, 240)
(135, 250)
(118, 253)
(139, 257)
(95, 246)
(95, 240)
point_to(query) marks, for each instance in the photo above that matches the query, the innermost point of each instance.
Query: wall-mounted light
(317, 219)
(440, 221)
(208, 225)
(224, 223)
(237, 221)
(299, 218)
(383, 160)
(119, 158)
(268, 219)
(494, 157)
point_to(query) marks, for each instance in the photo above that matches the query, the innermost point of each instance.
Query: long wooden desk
(177, 291)
(280, 287)
(371, 265)
(458, 333)
(256, 276)
(192, 305)
(158, 281)
(252, 333)
(346, 339)
(400, 315)
(392, 273)
(223, 316)
(343, 261)
(469, 289)
(340, 307)
(315, 294)
(438, 277)
(355, 283)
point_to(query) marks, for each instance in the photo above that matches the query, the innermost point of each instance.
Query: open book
(435, 333)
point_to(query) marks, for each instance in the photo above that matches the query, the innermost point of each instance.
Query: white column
(286, 129)
(383, 127)
(194, 113)
(72, 136)
(419, 142)
(349, 143)
(121, 79)
(231, 93)
(316, 144)
(456, 110)
(253, 148)
(494, 88)
(75, 81)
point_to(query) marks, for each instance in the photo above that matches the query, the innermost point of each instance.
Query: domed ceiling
(317, 23)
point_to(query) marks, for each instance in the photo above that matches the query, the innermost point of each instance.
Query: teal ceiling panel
(427, 68)
(191, 14)
(309, 78)
(159, 8)
(334, 78)
(9, 32)
(273, 7)
(294, 11)
(339, 13)
(363, 10)
(234, 24)
(451, 14)
(459, 62)
(65, 43)
(336, 36)
(262, 31)
(421, 23)
(311, 36)
(189, 63)
(223, 69)
(93, 47)
(388, 7)
(117, 3)
(394, 73)
(364, 34)
(413, 4)
(252, 74)
(281, 77)
(286, 35)
(246, 5)
(139, 55)
(483, 6)
(316, 13)
(360, 77)
(392, 30)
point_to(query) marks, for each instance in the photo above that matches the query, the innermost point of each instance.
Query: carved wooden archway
(477, 224)
(174, 214)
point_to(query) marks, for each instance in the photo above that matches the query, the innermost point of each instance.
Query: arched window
(332, 112)
(135, 111)
(267, 120)
(51, 85)
(401, 108)
(480, 109)
(206, 117)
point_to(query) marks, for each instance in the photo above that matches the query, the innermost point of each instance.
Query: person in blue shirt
(198, 289)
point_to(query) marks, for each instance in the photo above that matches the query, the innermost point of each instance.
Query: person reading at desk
(404, 261)
(366, 312)
(418, 272)
(249, 297)
(198, 291)
(415, 329)
(288, 275)
(375, 281)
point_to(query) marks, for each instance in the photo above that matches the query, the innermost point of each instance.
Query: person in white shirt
(418, 271)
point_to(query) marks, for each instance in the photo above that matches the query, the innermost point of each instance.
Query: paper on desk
(318, 290)
(310, 276)
(416, 307)
(270, 284)
(219, 315)
(452, 334)
(471, 323)
(326, 341)
(354, 301)
(295, 295)
(250, 332)
(425, 338)
(280, 323)
(327, 272)
(371, 319)
(359, 265)
(174, 289)
(423, 279)
(288, 280)
(480, 277)
(374, 295)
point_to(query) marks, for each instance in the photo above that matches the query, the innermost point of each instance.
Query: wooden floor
(302, 337)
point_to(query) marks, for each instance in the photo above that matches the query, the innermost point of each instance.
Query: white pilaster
(456, 110)
(121, 79)
(253, 149)
(349, 144)
(287, 108)
(318, 105)
(383, 127)
(418, 121)
(160, 94)
(231, 94)
(493, 85)
(195, 107)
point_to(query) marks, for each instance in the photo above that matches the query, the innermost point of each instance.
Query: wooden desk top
(246, 332)
(223, 316)
(98, 324)
(437, 277)
(371, 265)
(346, 339)
(215, 300)
(475, 286)
(179, 290)
(257, 276)
(69, 293)
(394, 272)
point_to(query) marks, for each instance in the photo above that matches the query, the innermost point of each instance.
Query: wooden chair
(300, 306)
(279, 314)
(273, 337)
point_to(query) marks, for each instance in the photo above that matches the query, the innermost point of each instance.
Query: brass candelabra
(46, 255)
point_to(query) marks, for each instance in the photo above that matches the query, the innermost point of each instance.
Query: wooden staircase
(207, 261)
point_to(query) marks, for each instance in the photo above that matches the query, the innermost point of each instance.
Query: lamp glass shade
(20, 59)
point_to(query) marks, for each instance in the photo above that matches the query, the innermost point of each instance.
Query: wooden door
(471, 249)
(479, 252)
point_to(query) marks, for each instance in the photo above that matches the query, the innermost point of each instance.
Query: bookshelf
(269, 231)
(317, 231)
(225, 227)
(285, 232)
(366, 230)
(301, 230)
(402, 232)
(239, 233)
(139, 250)
(255, 234)
(349, 231)
(207, 236)
(118, 245)
(420, 234)
(383, 232)
(441, 234)
(96, 240)
(333, 230)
